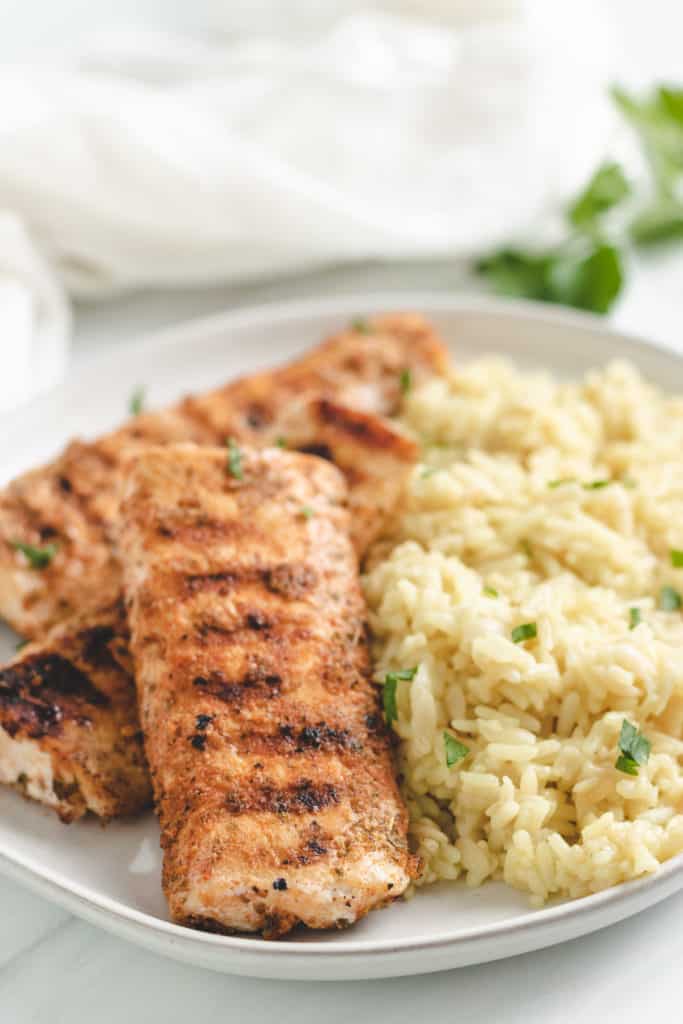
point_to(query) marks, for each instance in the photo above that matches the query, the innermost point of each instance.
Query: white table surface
(55, 968)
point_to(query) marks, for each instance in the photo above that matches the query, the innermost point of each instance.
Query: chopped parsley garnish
(596, 485)
(428, 471)
(634, 749)
(38, 558)
(234, 459)
(634, 618)
(389, 693)
(676, 558)
(307, 512)
(406, 381)
(281, 442)
(490, 592)
(136, 402)
(455, 750)
(552, 484)
(19, 644)
(669, 599)
(361, 325)
(527, 631)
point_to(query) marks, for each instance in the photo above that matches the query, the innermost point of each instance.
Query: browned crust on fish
(270, 761)
(73, 501)
(69, 730)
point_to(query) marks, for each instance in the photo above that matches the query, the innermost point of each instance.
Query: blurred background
(161, 160)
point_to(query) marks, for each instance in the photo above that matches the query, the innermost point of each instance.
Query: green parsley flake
(596, 485)
(553, 484)
(136, 403)
(38, 558)
(406, 381)
(428, 471)
(389, 693)
(281, 442)
(234, 459)
(307, 512)
(669, 599)
(634, 618)
(676, 558)
(19, 644)
(490, 592)
(527, 631)
(455, 750)
(361, 325)
(634, 749)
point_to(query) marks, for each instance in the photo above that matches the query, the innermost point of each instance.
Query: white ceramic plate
(112, 876)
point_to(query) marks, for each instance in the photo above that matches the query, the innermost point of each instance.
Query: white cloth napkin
(165, 160)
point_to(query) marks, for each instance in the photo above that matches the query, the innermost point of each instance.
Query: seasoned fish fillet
(270, 763)
(69, 731)
(375, 458)
(72, 502)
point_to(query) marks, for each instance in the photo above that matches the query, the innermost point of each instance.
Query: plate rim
(622, 898)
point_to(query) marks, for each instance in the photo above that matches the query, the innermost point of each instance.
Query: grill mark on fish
(302, 797)
(323, 451)
(256, 684)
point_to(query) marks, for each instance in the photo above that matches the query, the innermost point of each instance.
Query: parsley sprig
(38, 558)
(455, 750)
(234, 459)
(634, 749)
(391, 681)
(585, 268)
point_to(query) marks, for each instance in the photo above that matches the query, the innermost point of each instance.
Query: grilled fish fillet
(72, 502)
(69, 731)
(270, 763)
(375, 458)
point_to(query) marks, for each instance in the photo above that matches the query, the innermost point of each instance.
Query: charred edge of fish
(35, 695)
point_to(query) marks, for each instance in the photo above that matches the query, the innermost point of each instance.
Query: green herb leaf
(136, 403)
(596, 485)
(361, 325)
(389, 693)
(281, 442)
(234, 459)
(428, 471)
(307, 512)
(38, 558)
(20, 644)
(527, 631)
(634, 749)
(658, 223)
(626, 765)
(606, 188)
(586, 274)
(676, 558)
(455, 750)
(553, 484)
(590, 280)
(490, 592)
(669, 599)
(406, 381)
(634, 617)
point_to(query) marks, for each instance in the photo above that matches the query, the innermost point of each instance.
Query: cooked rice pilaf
(557, 507)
